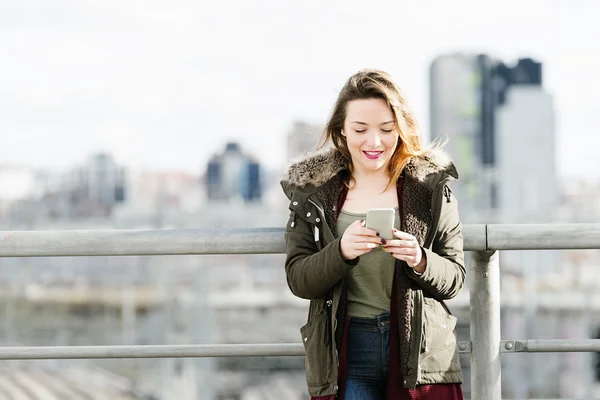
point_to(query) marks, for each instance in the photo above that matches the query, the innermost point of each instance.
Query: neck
(372, 180)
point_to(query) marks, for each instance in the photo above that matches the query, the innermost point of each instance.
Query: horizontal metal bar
(550, 346)
(265, 241)
(151, 351)
(543, 236)
(474, 237)
(161, 351)
(141, 242)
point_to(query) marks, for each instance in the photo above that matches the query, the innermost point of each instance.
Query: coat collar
(317, 168)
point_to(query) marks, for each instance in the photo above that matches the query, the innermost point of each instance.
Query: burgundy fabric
(343, 364)
(396, 389)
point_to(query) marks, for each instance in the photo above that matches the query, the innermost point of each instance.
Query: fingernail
(383, 241)
(377, 233)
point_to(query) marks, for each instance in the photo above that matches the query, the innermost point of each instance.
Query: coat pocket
(439, 350)
(318, 363)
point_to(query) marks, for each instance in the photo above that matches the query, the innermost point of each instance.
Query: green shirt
(369, 283)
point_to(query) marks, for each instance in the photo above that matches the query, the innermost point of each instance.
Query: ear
(343, 134)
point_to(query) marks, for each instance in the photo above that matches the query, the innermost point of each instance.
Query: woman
(377, 326)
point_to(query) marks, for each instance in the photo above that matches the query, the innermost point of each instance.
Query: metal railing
(483, 240)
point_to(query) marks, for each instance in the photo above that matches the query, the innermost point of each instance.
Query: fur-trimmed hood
(317, 168)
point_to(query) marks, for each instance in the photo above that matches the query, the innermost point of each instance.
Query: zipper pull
(328, 332)
(424, 346)
(447, 194)
(316, 233)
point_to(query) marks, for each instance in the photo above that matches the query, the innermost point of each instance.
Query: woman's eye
(388, 131)
(360, 131)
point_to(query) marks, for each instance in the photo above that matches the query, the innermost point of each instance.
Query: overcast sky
(164, 83)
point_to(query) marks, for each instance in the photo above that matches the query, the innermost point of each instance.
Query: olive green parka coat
(316, 271)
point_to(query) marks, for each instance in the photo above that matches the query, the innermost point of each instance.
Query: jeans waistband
(380, 320)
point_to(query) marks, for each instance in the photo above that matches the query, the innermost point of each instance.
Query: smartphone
(382, 220)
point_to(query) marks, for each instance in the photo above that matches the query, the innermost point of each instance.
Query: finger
(357, 229)
(363, 230)
(370, 245)
(400, 251)
(363, 249)
(410, 260)
(366, 232)
(364, 243)
(358, 239)
(361, 227)
(403, 235)
(357, 223)
(402, 243)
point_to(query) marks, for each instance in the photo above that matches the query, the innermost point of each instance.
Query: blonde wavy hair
(375, 84)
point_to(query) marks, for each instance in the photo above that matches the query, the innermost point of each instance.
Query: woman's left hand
(407, 249)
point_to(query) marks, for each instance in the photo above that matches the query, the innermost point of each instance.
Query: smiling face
(371, 135)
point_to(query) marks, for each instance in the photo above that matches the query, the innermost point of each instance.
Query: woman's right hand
(358, 240)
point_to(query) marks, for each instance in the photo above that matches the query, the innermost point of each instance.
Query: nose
(373, 139)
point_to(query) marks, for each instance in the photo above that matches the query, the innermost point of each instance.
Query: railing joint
(487, 242)
(508, 346)
(465, 347)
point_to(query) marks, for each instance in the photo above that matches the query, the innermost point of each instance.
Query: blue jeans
(368, 358)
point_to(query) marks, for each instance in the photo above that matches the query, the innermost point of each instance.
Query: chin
(373, 166)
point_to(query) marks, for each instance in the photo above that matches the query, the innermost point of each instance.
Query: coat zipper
(329, 330)
(321, 211)
(418, 307)
(424, 346)
(316, 228)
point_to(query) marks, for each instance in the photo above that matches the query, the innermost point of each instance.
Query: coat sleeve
(311, 272)
(445, 272)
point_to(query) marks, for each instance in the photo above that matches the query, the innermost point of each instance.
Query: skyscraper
(103, 179)
(454, 114)
(526, 166)
(233, 174)
(466, 93)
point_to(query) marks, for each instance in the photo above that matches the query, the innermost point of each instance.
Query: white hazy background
(162, 84)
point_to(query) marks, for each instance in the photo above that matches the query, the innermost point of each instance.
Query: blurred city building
(160, 192)
(100, 181)
(499, 122)
(233, 175)
(93, 189)
(525, 172)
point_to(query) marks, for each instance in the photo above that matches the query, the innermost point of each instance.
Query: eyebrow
(364, 123)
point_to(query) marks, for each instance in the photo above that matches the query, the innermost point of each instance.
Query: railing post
(485, 326)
